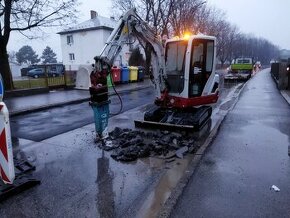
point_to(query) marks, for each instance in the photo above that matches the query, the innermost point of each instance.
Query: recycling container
(133, 74)
(125, 75)
(141, 73)
(101, 117)
(116, 74)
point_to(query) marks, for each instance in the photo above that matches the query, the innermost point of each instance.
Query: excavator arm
(130, 27)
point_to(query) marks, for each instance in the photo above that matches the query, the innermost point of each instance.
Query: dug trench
(125, 144)
(129, 145)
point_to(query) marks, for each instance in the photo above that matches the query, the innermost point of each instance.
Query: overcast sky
(258, 17)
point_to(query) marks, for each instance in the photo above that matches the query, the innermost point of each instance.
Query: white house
(81, 43)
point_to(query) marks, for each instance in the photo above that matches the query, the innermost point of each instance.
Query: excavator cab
(190, 72)
(191, 85)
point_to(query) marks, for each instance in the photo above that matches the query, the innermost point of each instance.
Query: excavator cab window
(202, 54)
(174, 63)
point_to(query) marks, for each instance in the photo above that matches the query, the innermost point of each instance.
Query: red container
(116, 74)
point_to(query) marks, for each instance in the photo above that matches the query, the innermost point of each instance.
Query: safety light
(288, 68)
(186, 36)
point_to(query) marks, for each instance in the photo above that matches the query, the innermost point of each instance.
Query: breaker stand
(23, 180)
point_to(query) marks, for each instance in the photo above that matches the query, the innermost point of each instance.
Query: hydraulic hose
(119, 97)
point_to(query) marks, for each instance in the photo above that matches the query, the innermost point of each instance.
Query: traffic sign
(6, 153)
(1, 88)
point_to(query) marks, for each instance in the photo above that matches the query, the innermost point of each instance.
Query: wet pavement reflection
(105, 196)
(44, 124)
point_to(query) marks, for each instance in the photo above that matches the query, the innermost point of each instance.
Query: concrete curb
(59, 104)
(285, 96)
(178, 190)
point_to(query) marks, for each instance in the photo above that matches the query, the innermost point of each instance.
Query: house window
(71, 56)
(69, 39)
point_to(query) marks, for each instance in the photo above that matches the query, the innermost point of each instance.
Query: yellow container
(133, 74)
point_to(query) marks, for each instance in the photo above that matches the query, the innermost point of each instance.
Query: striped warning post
(6, 153)
(1, 88)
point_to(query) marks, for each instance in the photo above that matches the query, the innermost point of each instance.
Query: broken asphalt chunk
(128, 145)
(181, 151)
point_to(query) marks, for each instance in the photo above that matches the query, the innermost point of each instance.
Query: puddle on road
(153, 162)
(163, 189)
(105, 197)
(169, 180)
(159, 195)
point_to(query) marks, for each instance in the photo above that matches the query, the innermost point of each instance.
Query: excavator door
(201, 67)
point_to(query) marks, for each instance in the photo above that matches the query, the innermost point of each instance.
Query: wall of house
(86, 45)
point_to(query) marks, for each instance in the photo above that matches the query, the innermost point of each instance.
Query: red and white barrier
(6, 152)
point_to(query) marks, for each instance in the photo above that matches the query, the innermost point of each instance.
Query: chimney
(94, 14)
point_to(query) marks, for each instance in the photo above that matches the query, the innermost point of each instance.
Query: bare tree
(182, 18)
(23, 15)
(257, 48)
(154, 12)
(225, 42)
(121, 6)
(168, 17)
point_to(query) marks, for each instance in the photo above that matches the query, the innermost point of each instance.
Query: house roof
(98, 22)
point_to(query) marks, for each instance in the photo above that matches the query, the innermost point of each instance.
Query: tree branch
(7, 15)
(37, 23)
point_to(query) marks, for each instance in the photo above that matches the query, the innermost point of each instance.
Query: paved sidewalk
(248, 156)
(27, 104)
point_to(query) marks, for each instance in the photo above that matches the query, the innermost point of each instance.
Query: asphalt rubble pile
(129, 145)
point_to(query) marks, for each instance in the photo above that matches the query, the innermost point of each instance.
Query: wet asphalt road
(78, 179)
(41, 125)
(248, 156)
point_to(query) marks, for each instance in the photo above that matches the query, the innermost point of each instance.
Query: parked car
(39, 72)
(36, 73)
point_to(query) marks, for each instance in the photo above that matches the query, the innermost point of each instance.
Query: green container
(109, 81)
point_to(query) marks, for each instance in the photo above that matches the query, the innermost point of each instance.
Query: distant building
(81, 43)
(16, 69)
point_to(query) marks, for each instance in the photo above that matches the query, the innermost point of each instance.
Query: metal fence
(66, 80)
(280, 75)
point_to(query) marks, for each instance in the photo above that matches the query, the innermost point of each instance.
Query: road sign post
(7, 172)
